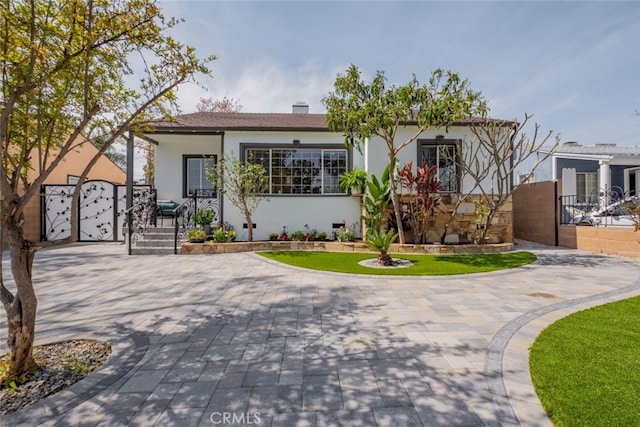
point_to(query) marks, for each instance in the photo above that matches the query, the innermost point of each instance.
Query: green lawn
(424, 265)
(586, 367)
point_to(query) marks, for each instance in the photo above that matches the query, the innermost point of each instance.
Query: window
(195, 169)
(441, 153)
(72, 179)
(527, 178)
(301, 170)
(587, 187)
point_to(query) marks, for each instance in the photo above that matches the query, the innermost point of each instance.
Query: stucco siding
(377, 155)
(294, 212)
(169, 160)
(580, 165)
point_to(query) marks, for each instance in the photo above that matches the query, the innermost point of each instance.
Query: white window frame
(589, 195)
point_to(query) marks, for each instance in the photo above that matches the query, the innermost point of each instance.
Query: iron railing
(141, 216)
(185, 213)
(610, 206)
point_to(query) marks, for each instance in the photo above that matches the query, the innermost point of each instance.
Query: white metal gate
(100, 214)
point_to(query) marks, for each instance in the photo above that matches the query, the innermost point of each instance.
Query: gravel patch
(397, 263)
(61, 365)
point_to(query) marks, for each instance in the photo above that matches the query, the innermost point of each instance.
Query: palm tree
(379, 241)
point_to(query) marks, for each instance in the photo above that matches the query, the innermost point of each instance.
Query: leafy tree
(224, 105)
(244, 183)
(68, 69)
(362, 110)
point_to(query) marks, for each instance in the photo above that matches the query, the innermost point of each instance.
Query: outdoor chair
(165, 210)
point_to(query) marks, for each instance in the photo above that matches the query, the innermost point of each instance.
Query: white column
(604, 181)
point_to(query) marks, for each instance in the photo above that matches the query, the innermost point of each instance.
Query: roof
(245, 121)
(220, 122)
(600, 149)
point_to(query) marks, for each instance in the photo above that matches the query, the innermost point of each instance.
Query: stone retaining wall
(220, 248)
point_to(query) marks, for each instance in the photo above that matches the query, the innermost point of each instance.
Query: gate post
(129, 200)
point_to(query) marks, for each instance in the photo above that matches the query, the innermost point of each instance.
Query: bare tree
(224, 105)
(496, 150)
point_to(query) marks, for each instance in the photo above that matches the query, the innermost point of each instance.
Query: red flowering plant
(424, 188)
(284, 235)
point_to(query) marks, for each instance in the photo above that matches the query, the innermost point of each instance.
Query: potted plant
(203, 218)
(354, 181)
(196, 236)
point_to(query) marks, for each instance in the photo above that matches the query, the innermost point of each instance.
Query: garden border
(210, 248)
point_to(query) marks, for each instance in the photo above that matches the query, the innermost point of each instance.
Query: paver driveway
(208, 340)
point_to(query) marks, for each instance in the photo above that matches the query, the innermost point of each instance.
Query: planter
(333, 246)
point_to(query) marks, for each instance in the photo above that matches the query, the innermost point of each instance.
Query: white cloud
(267, 86)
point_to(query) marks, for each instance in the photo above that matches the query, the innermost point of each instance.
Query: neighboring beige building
(68, 172)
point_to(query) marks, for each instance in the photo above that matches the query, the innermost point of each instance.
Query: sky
(573, 65)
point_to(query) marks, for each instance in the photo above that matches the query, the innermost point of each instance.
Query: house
(304, 160)
(68, 172)
(588, 171)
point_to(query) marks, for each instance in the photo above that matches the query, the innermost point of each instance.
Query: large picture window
(195, 169)
(301, 170)
(442, 154)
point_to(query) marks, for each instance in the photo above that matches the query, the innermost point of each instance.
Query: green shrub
(297, 236)
(221, 235)
(203, 217)
(196, 235)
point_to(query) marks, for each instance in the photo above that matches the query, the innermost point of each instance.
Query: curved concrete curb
(514, 397)
(126, 352)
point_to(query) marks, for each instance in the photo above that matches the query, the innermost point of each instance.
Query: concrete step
(156, 241)
(159, 243)
(154, 235)
(153, 250)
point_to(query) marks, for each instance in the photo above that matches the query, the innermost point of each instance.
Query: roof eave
(220, 131)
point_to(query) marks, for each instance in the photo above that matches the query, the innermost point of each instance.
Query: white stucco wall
(378, 157)
(168, 161)
(293, 211)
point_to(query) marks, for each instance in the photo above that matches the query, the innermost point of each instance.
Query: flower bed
(336, 246)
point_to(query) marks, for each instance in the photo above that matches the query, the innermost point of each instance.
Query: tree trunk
(385, 259)
(21, 308)
(247, 217)
(394, 199)
(250, 228)
(493, 210)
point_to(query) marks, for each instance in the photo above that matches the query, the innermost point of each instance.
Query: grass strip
(586, 367)
(423, 264)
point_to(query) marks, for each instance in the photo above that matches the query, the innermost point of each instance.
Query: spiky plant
(380, 241)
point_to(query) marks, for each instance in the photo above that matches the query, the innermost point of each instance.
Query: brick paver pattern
(200, 340)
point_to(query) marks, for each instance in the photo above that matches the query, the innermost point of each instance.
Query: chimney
(300, 107)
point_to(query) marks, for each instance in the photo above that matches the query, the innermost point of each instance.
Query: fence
(100, 210)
